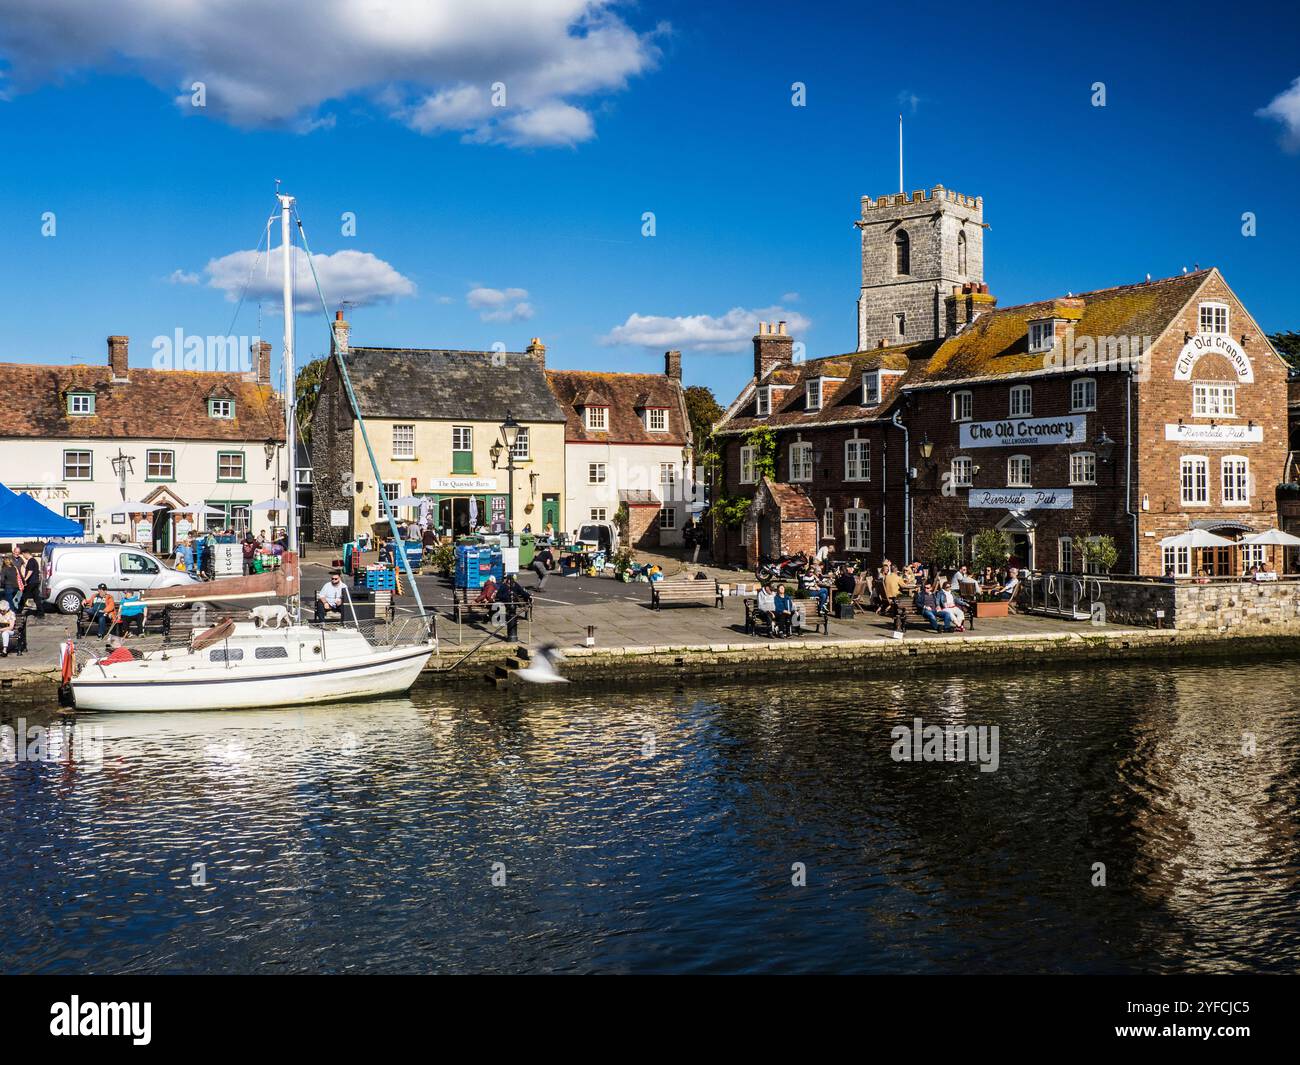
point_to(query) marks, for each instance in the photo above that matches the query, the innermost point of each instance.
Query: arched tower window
(961, 254)
(902, 253)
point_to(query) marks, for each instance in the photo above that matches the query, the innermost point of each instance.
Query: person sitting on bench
(330, 598)
(765, 608)
(103, 608)
(784, 608)
(488, 593)
(1012, 585)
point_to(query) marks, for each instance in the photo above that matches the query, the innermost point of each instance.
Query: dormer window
(871, 388)
(1042, 335)
(656, 419)
(597, 419)
(81, 403)
(1214, 318)
(221, 408)
(763, 404)
(813, 393)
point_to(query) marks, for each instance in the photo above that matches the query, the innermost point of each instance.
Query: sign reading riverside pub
(1213, 344)
(1225, 435)
(1025, 432)
(1023, 498)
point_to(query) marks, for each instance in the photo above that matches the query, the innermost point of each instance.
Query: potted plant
(1099, 554)
(988, 605)
(844, 606)
(945, 550)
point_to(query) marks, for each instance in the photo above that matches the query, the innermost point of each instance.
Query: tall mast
(290, 440)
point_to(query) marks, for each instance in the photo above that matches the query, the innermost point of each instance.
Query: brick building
(1134, 412)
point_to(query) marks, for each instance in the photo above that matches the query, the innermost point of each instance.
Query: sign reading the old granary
(1213, 344)
(1025, 432)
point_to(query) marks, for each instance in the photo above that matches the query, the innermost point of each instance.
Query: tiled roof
(792, 501)
(638, 497)
(995, 344)
(150, 404)
(626, 395)
(446, 385)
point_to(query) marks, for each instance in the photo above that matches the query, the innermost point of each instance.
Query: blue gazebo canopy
(23, 518)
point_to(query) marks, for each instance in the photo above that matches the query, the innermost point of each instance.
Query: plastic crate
(381, 579)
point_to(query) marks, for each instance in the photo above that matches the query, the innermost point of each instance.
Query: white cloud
(355, 276)
(183, 277)
(1285, 107)
(430, 65)
(790, 297)
(732, 331)
(500, 304)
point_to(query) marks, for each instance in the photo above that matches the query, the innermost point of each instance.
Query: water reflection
(660, 831)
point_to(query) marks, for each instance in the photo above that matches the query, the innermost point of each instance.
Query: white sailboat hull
(185, 680)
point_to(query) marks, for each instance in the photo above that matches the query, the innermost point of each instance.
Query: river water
(755, 828)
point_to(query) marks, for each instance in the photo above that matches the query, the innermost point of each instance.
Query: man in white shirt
(1008, 590)
(330, 598)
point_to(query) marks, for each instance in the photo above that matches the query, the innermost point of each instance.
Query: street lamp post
(509, 434)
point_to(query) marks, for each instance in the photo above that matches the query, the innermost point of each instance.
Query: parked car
(600, 535)
(70, 572)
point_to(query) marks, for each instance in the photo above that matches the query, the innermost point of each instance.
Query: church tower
(916, 252)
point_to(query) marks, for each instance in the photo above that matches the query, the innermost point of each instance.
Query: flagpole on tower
(900, 154)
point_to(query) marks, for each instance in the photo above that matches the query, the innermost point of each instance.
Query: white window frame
(1020, 401)
(1014, 463)
(656, 419)
(404, 434)
(668, 517)
(1214, 314)
(1042, 336)
(150, 461)
(1087, 460)
(1088, 400)
(84, 400)
(1179, 559)
(857, 529)
(801, 464)
(871, 395)
(857, 459)
(1234, 482)
(462, 438)
(1194, 470)
(963, 406)
(392, 490)
(1065, 554)
(596, 419)
(763, 402)
(223, 409)
(1214, 399)
(89, 464)
(813, 387)
(747, 470)
(597, 473)
(598, 514)
(243, 466)
(962, 471)
(828, 523)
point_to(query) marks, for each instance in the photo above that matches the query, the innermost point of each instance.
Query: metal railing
(1068, 595)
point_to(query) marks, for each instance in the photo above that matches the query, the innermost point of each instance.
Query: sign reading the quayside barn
(1025, 432)
(1023, 498)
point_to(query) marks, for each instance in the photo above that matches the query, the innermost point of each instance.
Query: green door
(551, 511)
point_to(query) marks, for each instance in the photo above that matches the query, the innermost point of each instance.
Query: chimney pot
(341, 332)
(538, 351)
(771, 348)
(673, 365)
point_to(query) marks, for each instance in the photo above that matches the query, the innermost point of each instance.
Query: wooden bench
(685, 591)
(462, 612)
(820, 619)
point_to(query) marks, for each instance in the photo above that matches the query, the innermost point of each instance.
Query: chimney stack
(772, 347)
(262, 361)
(341, 330)
(538, 351)
(966, 303)
(117, 357)
(673, 365)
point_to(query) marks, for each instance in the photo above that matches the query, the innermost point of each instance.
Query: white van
(70, 572)
(600, 536)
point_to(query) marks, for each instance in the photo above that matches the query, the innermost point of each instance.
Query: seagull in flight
(542, 669)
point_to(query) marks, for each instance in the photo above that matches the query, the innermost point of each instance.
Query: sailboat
(236, 665)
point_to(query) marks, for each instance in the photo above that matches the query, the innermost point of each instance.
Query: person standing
(31, 575)
(9, 581)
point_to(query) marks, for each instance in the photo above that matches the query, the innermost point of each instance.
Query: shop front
(461, 505)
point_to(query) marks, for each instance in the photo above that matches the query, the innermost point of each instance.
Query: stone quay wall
(1220, 606)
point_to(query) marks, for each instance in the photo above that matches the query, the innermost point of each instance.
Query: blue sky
(477, 225)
